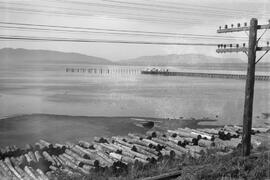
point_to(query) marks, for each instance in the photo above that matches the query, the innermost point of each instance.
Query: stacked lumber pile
(41, 160)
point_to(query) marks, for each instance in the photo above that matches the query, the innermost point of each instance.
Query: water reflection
(51, 90)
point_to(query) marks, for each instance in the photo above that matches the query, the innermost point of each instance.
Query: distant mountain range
(10, 56)
(177, 59)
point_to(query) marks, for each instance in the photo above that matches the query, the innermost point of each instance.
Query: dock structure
(43, 159)
(206, 75)
(97, 70)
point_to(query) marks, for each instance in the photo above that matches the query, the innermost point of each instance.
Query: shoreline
(28, 128)
(139, 117)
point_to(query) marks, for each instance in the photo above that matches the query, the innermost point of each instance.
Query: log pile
(41, 160)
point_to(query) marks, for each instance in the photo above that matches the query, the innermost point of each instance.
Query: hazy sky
(201, 17)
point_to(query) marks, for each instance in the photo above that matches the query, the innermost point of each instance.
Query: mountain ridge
(10, 56)
(24, 56)
(178, 59)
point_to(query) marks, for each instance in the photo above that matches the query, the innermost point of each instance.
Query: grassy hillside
(209, 167)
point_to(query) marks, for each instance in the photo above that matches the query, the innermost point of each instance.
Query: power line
(128, 15)
(122, 31)
(115, 31)
(118, 6)
(145, 7)
(146, 18)
(223, 9)
(93, 10)
(31, 38)
(182, 6)
(108, 33)
(112, 33)
(51, 13)
(135, 16)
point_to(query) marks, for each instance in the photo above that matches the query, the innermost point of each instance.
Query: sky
(199, 17)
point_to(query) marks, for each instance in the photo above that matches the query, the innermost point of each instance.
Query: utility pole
(249, 91)
(250, 78)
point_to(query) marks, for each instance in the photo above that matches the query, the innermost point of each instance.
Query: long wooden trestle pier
(208, 75)
(98, 70)
(164, 73)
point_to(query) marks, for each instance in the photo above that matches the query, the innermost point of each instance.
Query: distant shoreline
(76, 116)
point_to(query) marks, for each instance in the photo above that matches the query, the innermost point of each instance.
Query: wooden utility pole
(249, 91)
(250, 78)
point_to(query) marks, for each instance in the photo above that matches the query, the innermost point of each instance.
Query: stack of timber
(42, 159)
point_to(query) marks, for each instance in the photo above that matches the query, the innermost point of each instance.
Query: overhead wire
(78, 9)
(181, 4)
(121, 34)
(97, 30)
(90, 13)
(149, 17)
(20, 26)
(52, 13)
(141, 18)
(153, 8)
(32, 38)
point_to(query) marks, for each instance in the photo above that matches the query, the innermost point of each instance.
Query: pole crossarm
(231, 50)
(233, 30)
(238, 29)
(241, 49)
(265, 48)
(266, 26)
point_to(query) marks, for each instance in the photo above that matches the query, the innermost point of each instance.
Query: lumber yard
(42, 159)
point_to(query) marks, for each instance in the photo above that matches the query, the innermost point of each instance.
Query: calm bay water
(49, 89)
